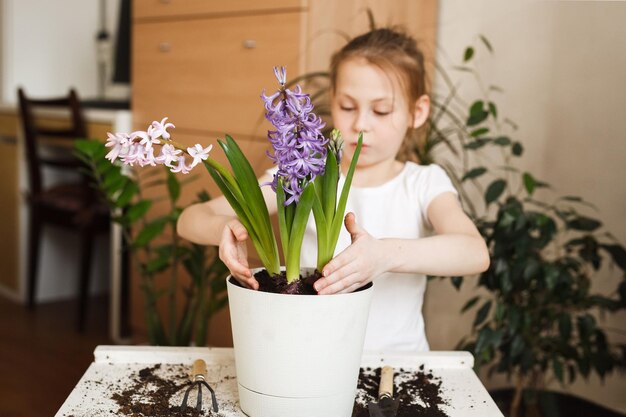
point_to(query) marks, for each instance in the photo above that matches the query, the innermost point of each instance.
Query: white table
(114, 368)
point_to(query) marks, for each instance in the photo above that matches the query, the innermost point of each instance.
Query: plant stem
(173, 279)
(517, 398)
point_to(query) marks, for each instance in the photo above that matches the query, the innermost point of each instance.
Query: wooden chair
(69, 203)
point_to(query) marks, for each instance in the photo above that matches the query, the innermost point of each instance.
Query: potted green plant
(295, 353)
(124, 191)
(539, 318)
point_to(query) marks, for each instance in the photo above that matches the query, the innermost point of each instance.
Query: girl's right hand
(234, 253)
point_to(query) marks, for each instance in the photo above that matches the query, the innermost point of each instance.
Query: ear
(421, 112)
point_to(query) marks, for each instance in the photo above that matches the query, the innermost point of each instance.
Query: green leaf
(329, 187)
(470, 304)
(618, 254)
(104, 166)
(149, 232)
(531, 269)
(335, 226)
(130, 190)
(479, 132)
(474, 173)
(493, 109)
(502, 141)
(585, 224)
(486, 42)
(517, 345)
(529, 183)
(456, 282)
(303, 211)
(551, 275)
(271, 263)
(137, 211)
(557, 367)
(478, 143)
(586, 325)
(482, 313)
(245, 193)
(494, 191)
(158, 264)
(565, 326)
(478, 114)
(517, 149)
(114, 182)
(468, 54)
(283, 227)
(88, 147)
(321, 224)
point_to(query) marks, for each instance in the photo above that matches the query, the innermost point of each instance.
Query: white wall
(561, 64)
(49, 46)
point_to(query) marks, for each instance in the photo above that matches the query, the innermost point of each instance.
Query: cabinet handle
(166, 1)
(165, 47)
(249, 44)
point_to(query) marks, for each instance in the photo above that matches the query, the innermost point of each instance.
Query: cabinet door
(207, 74)
(187, 8)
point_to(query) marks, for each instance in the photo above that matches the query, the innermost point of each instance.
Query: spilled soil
(419, 393)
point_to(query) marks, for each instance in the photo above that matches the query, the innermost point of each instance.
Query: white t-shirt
(395, 209)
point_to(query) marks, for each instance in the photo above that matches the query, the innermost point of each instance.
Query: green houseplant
(158, 250)
(539, 318)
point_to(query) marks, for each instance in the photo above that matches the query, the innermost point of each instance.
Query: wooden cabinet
(185, 9)
(207, 74)
(204, 65)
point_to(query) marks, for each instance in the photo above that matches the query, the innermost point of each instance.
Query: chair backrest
(34, 131)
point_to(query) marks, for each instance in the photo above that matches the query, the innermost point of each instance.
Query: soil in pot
(277, 284)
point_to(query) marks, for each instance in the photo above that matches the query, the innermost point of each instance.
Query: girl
(377, 87)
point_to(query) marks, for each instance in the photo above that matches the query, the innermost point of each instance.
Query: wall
(49, 46)
(561, 66)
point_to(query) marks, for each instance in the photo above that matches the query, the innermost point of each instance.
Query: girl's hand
(234, 253)
(357, 265)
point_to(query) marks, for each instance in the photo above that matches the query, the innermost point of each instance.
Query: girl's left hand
(357, 265)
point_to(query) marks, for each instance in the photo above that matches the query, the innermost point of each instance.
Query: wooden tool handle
(386, 382)
(199, 368)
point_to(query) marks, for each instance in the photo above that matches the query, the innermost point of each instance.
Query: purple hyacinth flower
(299, 147)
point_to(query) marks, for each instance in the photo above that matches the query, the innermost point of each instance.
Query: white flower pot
(297, 355)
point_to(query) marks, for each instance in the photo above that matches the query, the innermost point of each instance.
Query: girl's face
(369, 100)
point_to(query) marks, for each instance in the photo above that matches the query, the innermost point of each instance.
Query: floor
(42, 356)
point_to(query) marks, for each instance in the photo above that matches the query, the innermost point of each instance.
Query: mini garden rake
(198, 378)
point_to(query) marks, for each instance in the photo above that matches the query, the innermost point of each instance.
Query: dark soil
(419, 393)
(149, 395)
(277, 284)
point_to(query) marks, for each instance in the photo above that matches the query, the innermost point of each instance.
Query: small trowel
(386, 406)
